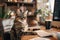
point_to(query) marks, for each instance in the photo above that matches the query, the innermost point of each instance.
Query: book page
(43, 33)
(38, 38)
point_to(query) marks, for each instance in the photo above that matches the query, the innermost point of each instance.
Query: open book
(42, 33)
(7, 24)
(38, 38)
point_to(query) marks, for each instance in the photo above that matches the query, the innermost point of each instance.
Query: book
(42, 33)
(38, 38)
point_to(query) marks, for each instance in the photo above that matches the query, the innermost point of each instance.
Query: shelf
(22, 2)
(11, 3)
(29, 5)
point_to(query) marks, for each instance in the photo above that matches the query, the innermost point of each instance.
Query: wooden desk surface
(27, 37)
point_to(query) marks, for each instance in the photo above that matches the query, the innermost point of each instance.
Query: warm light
(47, 4)
(12, 13)
(39, 1)
(51, 2)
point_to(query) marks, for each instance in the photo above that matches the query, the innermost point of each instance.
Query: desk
(28, 37)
